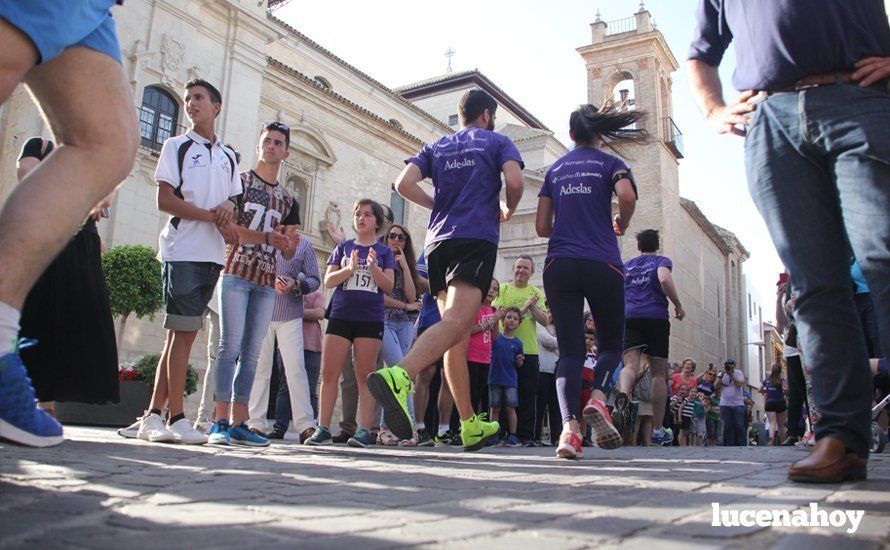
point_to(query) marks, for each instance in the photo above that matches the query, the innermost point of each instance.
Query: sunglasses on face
(396, 237)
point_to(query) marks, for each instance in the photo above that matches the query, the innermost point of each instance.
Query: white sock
(443, 428)
(9, 327)
(420, 425)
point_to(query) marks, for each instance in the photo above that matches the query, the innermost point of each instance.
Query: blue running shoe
(321, 437)
(20, 420)
(241, 435)
(220, 433)
(362, 438)
(512, 441)
(662, 436)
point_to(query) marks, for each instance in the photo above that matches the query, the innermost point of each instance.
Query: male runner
(49, 46)
(461, 251)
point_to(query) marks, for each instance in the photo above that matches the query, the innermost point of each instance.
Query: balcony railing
(155, 127)
(628, 24)
(672, 137)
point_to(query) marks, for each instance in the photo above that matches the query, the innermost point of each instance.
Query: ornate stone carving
(172, 56)
(596, 72)
(642, 63)
(330, 226)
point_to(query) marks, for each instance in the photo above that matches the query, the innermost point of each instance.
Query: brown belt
(827, 79)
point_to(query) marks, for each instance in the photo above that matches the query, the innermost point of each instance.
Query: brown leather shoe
(829, 462)
(341, 437)
(306, 434)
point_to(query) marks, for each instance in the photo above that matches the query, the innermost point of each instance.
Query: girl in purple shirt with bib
(584, 263)
(360, 270)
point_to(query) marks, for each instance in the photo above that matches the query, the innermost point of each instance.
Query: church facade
(350, 135)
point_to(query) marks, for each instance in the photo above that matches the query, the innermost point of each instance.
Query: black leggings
(567, 283)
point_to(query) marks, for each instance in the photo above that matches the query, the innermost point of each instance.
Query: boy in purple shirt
(461, 250)
(648, 286)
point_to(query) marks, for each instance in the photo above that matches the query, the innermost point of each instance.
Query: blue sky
(528, 48)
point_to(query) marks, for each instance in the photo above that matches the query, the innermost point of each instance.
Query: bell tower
(628, 60)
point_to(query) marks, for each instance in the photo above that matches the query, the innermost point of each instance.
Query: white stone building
(351, 134)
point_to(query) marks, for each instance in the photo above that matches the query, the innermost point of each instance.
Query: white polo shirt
(204, 175)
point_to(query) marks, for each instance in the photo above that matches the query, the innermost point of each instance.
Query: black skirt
(68, 312)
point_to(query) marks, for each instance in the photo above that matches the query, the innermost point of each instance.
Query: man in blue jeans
(268, 219)
(731, 382)
(815, 108)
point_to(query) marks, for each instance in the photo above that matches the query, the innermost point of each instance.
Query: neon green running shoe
(390, 387)
(475, 431)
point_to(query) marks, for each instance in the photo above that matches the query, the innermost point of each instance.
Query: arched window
(323, 82)
(157, 117)
(624, 93)
(397, 203)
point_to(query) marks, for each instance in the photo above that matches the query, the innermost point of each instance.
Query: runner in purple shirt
(584, 263)
(360, 270)
(648, 286)
(461, 251)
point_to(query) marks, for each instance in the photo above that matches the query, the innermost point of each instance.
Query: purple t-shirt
(773, 394)
(358, 298)
(643, 296)
(466, 171)
(580, 186)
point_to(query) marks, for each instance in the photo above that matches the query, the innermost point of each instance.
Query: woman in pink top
(483, 333)
(686, 376)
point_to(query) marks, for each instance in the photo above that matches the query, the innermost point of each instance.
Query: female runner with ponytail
(584, 262)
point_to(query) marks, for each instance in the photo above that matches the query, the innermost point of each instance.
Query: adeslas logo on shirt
(458, 164)
(579, 189)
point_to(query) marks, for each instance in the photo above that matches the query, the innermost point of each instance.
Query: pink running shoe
(569, 446)
(604, 432)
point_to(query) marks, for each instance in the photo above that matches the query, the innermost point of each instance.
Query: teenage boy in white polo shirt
(199, 186)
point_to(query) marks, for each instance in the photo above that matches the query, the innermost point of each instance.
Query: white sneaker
(131, 431)
(152, 428)
(184, 433)
(203, 426)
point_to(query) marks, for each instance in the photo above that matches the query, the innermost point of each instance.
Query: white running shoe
(203, 426)
(152, 428)
(184, 433)
(131, 431)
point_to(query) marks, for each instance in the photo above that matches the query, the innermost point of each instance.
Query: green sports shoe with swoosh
(390, 387)
(475, 431)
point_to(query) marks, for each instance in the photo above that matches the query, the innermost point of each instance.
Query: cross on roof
(449, 53)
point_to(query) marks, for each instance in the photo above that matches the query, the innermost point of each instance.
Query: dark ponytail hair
(608, 122)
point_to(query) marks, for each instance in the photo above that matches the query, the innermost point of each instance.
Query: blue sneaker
(20, 420)
(662, 437)
(512, 441)
(220, 433)
(321, 437)
(241, 435)
(362, 438)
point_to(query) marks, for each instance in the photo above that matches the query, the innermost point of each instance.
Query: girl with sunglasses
(402, 307)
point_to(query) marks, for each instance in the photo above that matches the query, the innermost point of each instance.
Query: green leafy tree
(133, 275)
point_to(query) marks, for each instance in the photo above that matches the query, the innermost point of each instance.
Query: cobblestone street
(100, 491)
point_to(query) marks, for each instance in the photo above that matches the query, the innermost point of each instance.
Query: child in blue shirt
(503, 380)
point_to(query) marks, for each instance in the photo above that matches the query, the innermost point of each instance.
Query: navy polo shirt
(778, 42)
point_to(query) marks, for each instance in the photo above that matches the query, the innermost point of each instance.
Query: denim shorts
(188, 288)
(502, 396)
(54, 25)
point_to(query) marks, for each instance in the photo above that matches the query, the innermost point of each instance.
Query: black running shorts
(653, 335)
(468, 260)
